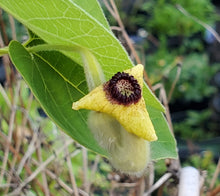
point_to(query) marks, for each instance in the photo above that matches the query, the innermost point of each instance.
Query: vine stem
(3, 51)
(44, 47)
(49, 47)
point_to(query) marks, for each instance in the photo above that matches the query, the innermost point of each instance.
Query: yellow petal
(134, 117)
(137, 72)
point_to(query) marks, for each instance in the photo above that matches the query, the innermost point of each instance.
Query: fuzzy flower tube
(119, 119)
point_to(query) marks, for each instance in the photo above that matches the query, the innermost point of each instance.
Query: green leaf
(94, 10)
(56, 90)
(67, 23)
(165, 146)
(56, 85)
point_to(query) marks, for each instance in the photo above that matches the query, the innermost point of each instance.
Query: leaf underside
(55, 91)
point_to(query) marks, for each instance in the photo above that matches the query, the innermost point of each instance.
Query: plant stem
(44, 47)
(3, 51)
(48, 47)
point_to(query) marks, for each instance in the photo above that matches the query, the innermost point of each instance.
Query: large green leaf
(55, 90)
(70, 23)
(65, 22)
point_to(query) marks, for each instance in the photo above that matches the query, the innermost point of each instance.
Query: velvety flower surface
(121, 97)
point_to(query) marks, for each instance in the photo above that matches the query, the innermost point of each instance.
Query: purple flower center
(123, 89)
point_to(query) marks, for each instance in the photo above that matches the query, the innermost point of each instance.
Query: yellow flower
(121, 98)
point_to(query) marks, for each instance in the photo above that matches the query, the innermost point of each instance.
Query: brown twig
(12, 185)
(161, 190)
(163, 96)
(29, 152)
(6, 63)
(3, 29)
(93, 170)
(139, 190)
(12, 25)
(64, 185)
(5, 96)
(115, 28)
(178, 72)
(215, 191)
(203, 175)
(150, 175)
(70, 168)
(160, 182)
(215, 176)
(109, 8)
(209, 28)
(26, 110)
(85, 169)
(125, 184)
(153, 40)
(17, 147)
(44, 178)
